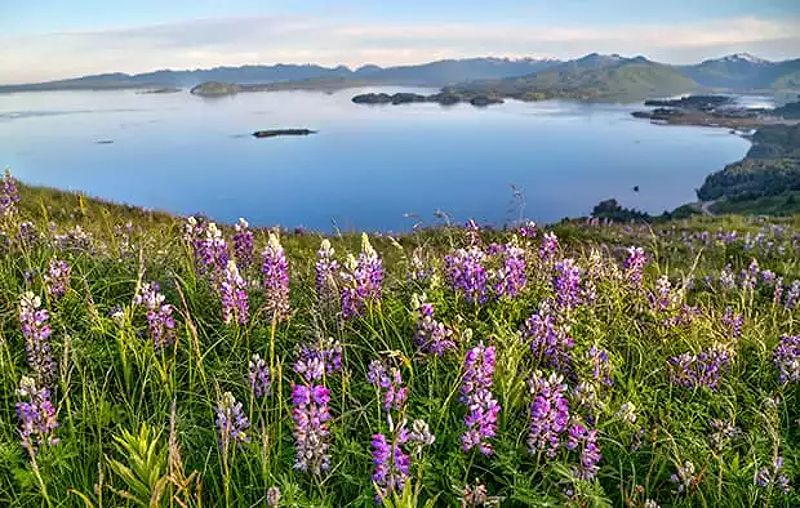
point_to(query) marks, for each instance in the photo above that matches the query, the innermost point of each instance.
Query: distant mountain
(438, 73)
(743, 71)
(593, 77)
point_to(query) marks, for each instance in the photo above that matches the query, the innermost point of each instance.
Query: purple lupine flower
(528, 230)
(664, 298)
(510, 278)
(208, 246)
(57, 278)
(326, 269)
(419, 269)
(792, 295)
(466, 274)
(431, 335)
(549, 247)
(9, 196)
(693, 371)
(243, 244)
(768, 277)
(473, 230)
(311, 414)
(750, 276)
(786, 357)
(567, 284)
(259, 376)
(275, 271)
(232, 424)
(634, 265)
(684, 478)
(390, 383)
(772, 476)
(362, 280)
(233, 295)
(273, 496)
(37, 416)
(315, 360)
(476, 394)
(579, 436)
(601, 367)
(27, 232)
(684, 317)
(777, 293)
(732, 322)
(550, 343)
(391, 463)
(726, 279)
(36, 330)
(160, 322)
(549, 413)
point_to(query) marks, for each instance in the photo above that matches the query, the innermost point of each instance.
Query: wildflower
(705, 369)
(259, 376)
(243, 244)
(36, 330)
(37, 416)
(420, 435)
(634, 265)
(567, 284)
(549, 413)
(664, 298)
(510, 278)
(474, 496)
(326, 269)
(649, 503)
(579, 436)
(313, 361)
(310, 415)
(160, 323)
(724, 431)
(362, 280)
(390, 382)
(601, 367)
(549, 247)
(231, 422)
(432, 336)
(786, 357)
(549, 341)
(391, 463)
(275, 271)
(750, 276)
(273, 496)
(476, 394)
(419, 271)
(473, 231)
(772, 476)
(792, 295)
(9, 196)
(627, 413)
(57, 278)
(466, 274)
(208, 246)
(732, 322)
(233, 295)
(684, 478)
(528, 230)
(726, 278)
(27, 232)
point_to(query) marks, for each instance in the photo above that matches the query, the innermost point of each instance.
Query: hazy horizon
(54, 41)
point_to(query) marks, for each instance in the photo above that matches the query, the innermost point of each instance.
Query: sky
(53, 39)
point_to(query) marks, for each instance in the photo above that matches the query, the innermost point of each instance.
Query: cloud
(272, 39)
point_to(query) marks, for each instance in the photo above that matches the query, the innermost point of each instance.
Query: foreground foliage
(151, 361)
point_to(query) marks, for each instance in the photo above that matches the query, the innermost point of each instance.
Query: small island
(445, 98)
(714, 111)
(215, 89)
(272, 133)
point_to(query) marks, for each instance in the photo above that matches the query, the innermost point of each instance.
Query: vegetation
(576, 370)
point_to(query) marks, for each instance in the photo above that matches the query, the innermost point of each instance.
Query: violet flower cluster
(208, 246)
(600, 365)
(232, 424)
(634, 265)
(275, 272)
(549, 247)
(549, 413)
(390, 383)
(578, 436)
(705, 369)
(243, 244)
(362, 280)
(392, 464)
(233, 296)
(34, 322)
(567, 284)
(9, 196)
(316, 360)
(160, 322)
(466, 273)
(549, 341)
(311, 434)
(732, 322)
(510, 278)
(57, 278)
(326, 270)
(476, 394)
(259, 376)
(786, 357)
(432, 336)
(772, 476)
(37, 416)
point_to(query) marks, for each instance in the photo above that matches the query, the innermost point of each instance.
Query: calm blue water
(369, 167)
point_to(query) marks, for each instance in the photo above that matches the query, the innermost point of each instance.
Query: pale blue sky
(47, 39)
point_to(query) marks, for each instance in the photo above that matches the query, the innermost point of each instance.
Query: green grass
(137, 424)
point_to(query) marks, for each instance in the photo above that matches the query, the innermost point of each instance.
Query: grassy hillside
(557, 369)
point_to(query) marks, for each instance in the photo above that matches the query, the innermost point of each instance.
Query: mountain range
(593, 76)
